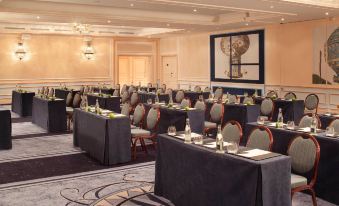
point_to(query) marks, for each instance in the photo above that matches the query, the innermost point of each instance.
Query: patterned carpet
(45, 169)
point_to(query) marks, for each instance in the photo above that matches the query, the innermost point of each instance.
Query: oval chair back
(77, 100)
(42, 90)
(179, 96)
(218, 93)
(267, 108)
(169, 91)
(217, 113)
(82, 90)
(46, 91)
(185, 103)
(153, 118)
(69, 99)
(304, 151)
(232, 131)
(163, 87)
(134, 99)
(207, 89)
(290, 95)
(232, 98)
(131, 89)
(335, 125)
(200, 105)
(126, 109)
(260, 138)
(306, 121)
(51, 92)
(116, 92)
(124, 97)
(138, 115)
(197, 89)
(248, 100)
(312, 102)
(123, 89)
(272, 94)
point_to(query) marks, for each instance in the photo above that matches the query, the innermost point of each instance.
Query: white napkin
(193, 135)
(253, 153)
(214, 144)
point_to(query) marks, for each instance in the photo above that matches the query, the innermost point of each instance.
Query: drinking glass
(149, 101)
(198, 140)
(260, 120)
(290, 125)
(171, 131)
(233, 147)
(330, 131)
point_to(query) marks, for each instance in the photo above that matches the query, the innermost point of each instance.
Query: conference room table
(22, 103)
(62, 93)
(104, 90)
(105, 102)
(190, 174)
(144, 96)
(327, 184)
(5, 129)
(49, 114)
(106, 140)
(293, 110)
(327, 119)
(148, 89)
(242, 113)
(174, 116)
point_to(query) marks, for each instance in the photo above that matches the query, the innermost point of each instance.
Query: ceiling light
(131, 5)
(20, 52)
(195, 10)
(272, 7)
(89, 51)
(246, 24)
(168, 25)
(327, 13)
(282, 19)
(108, 21)
(38, 17)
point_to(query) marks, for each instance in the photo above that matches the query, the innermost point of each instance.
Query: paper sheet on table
(253, 153)
(214, 144)
(305, 129)
(193, 135)
(273, 124)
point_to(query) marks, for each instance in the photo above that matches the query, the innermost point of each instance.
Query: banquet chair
(163, 87)
(290, 95)
(218, 93)
(42, 90)
(69, 99)
(149, 85)
(159, 91)
(124, 97)
(126, 109)
(138, 115)
(248, 100)
(232, 98)
(272, 94)
(134, 99)
(311, 103)
(200, 105)
(197, 89)
(260, 138)
(86, 90)
(51, 92)
(46, 91)
(216, 117)
(82, 90)
(267, 108)
(207, 89)
(335, 125)
(306, 121)
(232, 132)
(70, 110)
(304, 151)
(150, 132)
(131, 89)
(185, 103)
(179, 96)
(169, 91)
(123, 89)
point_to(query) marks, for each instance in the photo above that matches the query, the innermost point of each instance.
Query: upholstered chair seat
(297, 181)
(260, 138)
(139, 132)
(232, 131)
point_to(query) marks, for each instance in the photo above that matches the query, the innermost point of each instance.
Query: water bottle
(314, 124)
(219, 141)
(188, 139)
(170, 101)
(280, 120)
(97, 106)
(156, 98)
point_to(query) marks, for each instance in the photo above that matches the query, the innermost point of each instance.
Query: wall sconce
(20, 52)
(89, 51)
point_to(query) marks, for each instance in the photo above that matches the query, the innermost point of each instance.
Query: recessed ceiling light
(195, 10)
(272, 7)
(38, 17)
(246, 24)
(327, 13)
(168, 25)
(108, 21)
(132, 5)
(282, 19)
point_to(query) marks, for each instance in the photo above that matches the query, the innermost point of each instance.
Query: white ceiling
(151, 17)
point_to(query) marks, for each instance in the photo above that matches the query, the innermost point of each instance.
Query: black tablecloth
(149, 89)
(192, 175)
(104, 90)
(292, 110)
(5, 129)
(144, 96)
(238, 112)
(50, 115)
(177, 118)
(194, 96)
(326, 120)
(110, 103)
(22, 103)
(106, 140)
(62, 93)
(327, 185)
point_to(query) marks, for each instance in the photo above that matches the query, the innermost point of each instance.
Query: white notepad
(253, 153)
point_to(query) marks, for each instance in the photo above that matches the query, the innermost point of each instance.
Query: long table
(327, 185)
(189, 174)
(5, 129)
(22, 103)
(104, 90)
(177, 118)
(193, 96)
(106, 140)
(144, 96)
(326, 120)
(62, 93)
(50, 115)
(111, 103)
(293, 110)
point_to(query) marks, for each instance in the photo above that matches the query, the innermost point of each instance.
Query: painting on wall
(238, 57)
(326, 55)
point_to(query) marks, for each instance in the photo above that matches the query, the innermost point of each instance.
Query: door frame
(162, 69)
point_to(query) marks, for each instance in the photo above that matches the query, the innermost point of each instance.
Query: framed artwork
(326, 55)
(238, 57)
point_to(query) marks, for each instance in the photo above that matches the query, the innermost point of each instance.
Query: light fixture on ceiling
(81, 28)
(327, 13)
(195, 10)
(20, 51)
(108, 21)
(168, 25)
(38, 17)
(282, 19)
(272, 7)
(89, 50)
(132, 5)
